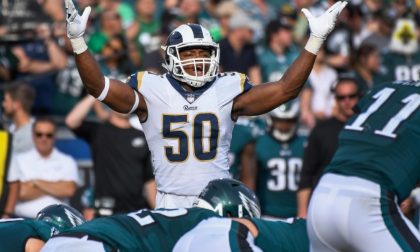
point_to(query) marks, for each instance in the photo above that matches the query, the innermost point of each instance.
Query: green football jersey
(145, 230)
(400, 67)
(279, 166)
(278, 236)
(381, 143)
(14, 233)
(244, 132)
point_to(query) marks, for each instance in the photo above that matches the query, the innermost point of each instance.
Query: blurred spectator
(47, 176)
(39, 59)
(144, 36)
(367, 66)
(124, 10)
(260, 11)
(224, 11)
(323, 141)
(237, 52)
(317, 98)
(110, 25)
(121, 161)
(279, 51)
(279, 154)
(402, 61)
(381, 27)
(115, 62)
(17, 104)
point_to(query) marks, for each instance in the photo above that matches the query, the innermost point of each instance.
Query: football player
(30, 235)
(279, 155)
(188, 113)
(377, 164)
(158, 230)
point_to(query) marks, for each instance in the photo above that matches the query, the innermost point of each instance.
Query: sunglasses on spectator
(349, 96)
(43, 134)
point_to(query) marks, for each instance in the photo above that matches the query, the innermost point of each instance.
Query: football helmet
(190, 36)
(61, 217)
(229, 198)
(286, 111)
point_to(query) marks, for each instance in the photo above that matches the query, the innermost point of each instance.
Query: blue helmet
(188, 36)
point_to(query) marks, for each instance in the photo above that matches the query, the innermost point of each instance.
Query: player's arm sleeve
(135, 80)
(246, 85)
(310, 162)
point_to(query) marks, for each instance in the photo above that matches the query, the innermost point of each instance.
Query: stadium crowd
(279, 155)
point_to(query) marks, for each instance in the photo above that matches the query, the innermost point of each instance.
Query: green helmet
(229, 198)
(61, 217)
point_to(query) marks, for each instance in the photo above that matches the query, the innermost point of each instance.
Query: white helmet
(189, 36)
(286, 111)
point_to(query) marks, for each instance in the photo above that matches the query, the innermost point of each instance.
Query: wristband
(104, 92)
(79, 45)
(314, 44)
(136, 103)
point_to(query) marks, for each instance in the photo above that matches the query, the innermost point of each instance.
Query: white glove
(322, 26)
(76, 26)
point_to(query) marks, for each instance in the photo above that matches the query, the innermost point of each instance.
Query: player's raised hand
(321, 26)
(76, 24)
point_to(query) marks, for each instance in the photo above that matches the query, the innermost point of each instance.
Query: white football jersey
(188, 133)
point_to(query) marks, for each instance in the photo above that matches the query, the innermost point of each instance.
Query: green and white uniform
(144, 230)
(244, 132)
(14, 233)
(279, 166)
(377, 164)
(224, 234)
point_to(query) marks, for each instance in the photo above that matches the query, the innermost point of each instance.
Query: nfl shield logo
(190, 98)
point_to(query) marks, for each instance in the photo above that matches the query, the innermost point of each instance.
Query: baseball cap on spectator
(226, 9)
(242, 20)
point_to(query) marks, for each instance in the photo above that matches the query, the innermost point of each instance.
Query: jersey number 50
(202, 124)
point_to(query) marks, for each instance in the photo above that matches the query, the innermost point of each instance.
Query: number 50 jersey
(381, 143)
(188, 133)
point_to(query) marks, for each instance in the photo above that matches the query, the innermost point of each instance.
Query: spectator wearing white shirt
(47, 176)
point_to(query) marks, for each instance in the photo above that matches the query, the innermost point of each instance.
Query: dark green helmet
(229, 198)
(61, 217)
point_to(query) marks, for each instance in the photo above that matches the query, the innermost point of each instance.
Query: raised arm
(263, 98)
(116, 94)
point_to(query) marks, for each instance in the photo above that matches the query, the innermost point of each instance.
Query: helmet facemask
(209, 67)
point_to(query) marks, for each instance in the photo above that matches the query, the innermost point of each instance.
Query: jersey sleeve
(246, 85)
(135, 80)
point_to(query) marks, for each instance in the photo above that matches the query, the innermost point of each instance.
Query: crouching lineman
(160, 230)
(157, 230)
(30, 235)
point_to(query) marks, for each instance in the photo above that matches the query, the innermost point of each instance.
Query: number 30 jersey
(188, 133)
(381, 143)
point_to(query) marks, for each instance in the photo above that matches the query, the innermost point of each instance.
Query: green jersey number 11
(412, 102)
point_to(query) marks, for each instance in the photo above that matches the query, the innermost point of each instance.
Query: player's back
(14, 233)
(380, 142)
(144, 230)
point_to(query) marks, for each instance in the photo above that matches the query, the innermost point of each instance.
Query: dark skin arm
(120, 96)
(275, 93)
